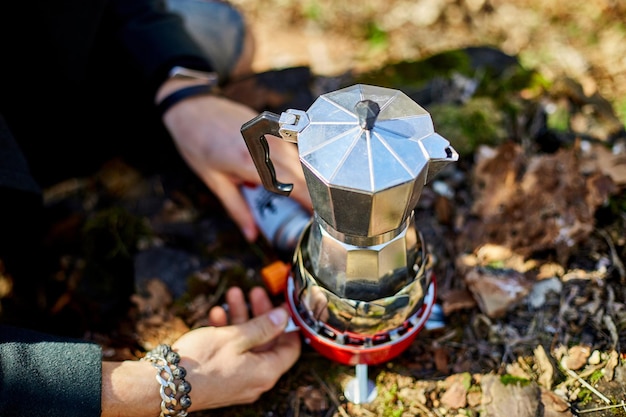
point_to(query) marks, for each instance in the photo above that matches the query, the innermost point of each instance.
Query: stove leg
(360, 390)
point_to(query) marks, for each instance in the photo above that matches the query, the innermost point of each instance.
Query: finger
(260, 302)
(237, 307)
(218, 317)
(283, 353)
(262, 329)
(237, 208)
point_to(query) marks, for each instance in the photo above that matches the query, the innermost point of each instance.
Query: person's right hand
(207, 133)
(236, 363)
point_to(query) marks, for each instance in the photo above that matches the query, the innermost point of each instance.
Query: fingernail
(278, 316)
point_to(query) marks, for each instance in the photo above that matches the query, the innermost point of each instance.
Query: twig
(589, 387)
(423, 408)
(610, 325)
(368, 412)
(589, 370)
(606, 407)
(617, 262)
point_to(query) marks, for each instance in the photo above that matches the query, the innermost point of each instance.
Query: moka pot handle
(253, 133)
(286, 126)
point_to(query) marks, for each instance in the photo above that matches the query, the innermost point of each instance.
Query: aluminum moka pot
(361, 285)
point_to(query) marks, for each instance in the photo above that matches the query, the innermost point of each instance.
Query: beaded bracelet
(174, 388)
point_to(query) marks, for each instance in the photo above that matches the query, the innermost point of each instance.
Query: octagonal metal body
(345, 293)
(362, 272)
(377, 171)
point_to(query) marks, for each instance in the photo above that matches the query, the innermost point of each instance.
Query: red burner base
(359, 354)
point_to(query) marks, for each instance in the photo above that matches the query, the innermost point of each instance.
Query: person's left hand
(207, 133)
(238, 358)
(230, 362)
(237, 311)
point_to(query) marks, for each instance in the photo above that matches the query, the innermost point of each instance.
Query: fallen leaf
(544, 367)
(496, 290)
(577, 357)
(554, 405)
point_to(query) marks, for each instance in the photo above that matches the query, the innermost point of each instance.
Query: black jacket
(41, 375)
(71, 75)
(74, 74)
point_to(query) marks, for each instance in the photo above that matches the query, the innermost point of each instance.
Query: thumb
(263, 329)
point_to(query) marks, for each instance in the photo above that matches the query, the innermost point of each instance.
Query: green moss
(508, 379)
(377, 38)
(410, 75)
(312, 11)
(595, 377)
(478, 122)
(466, 379)
(390, 404)
(510, 82)
(620, 109)
(558, 119)
(499, 264)
(584, 396)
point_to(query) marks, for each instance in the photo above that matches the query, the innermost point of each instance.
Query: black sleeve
(157, 39)
(47, 376)
(14, 171)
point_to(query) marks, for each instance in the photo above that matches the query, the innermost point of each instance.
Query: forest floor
(527, 230)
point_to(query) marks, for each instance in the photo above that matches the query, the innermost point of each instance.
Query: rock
(474, 398)
(496, 399)
(455, 300)
(496, 290)
(455, 395)
(539, 291)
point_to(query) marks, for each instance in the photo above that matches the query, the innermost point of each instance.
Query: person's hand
(207, 133)
(226, 364)
(236, 363)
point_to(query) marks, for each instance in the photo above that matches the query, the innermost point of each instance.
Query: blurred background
(581, 39)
